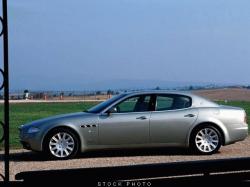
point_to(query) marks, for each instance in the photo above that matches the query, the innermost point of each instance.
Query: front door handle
(189, 115)
(142, 117)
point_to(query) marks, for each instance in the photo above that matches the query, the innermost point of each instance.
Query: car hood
(58, 118)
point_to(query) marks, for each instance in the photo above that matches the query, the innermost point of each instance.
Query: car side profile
(139, 120)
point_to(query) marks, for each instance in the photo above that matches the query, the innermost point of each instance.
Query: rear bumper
(237, 134)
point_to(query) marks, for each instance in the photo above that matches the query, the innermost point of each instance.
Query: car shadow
(37, 156)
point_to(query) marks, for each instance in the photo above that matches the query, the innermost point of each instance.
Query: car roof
(161, 92)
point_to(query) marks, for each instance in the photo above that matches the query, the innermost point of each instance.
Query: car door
(127, 122)
(172, 119)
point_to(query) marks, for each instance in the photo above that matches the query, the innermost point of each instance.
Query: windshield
(100, 107)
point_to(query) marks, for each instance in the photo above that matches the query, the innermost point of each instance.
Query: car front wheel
(61, 143)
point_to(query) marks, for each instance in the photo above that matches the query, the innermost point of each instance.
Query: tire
(206, 140)
(61, 143)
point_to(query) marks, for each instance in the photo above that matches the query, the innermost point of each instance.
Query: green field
(27, 112)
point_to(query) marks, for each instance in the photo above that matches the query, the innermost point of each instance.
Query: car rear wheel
(206, 140)
(61, 143)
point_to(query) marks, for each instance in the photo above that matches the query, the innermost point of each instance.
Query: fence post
(5, 85)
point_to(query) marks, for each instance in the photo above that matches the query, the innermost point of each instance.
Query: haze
(62, 44)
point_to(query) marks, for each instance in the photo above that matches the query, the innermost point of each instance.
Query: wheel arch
(217, 126)
(65, 127)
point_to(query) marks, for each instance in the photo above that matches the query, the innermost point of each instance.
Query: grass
(26, 112)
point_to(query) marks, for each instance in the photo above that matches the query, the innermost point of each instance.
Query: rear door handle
(142, 117)
(189, 115)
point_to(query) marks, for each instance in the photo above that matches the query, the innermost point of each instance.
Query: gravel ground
(23, 160)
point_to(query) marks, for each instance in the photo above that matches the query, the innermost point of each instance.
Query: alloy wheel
(61, 145)
(207, 140)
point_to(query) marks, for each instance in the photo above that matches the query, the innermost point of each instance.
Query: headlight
(33, 130)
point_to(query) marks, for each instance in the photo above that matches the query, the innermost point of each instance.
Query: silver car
(139, 120)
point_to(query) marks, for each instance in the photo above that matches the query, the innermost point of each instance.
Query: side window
(133, 104)
(181, 102)
(164, 103)
(172, 102)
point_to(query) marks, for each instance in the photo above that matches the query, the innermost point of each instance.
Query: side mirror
(112, 110)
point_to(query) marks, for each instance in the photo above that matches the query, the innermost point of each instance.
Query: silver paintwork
(142, 129)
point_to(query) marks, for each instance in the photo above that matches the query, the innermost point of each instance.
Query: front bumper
(25, 145)
(30, 141)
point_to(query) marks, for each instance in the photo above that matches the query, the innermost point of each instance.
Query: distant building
(26, 94)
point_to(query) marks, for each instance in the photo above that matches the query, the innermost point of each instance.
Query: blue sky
(62, 44)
